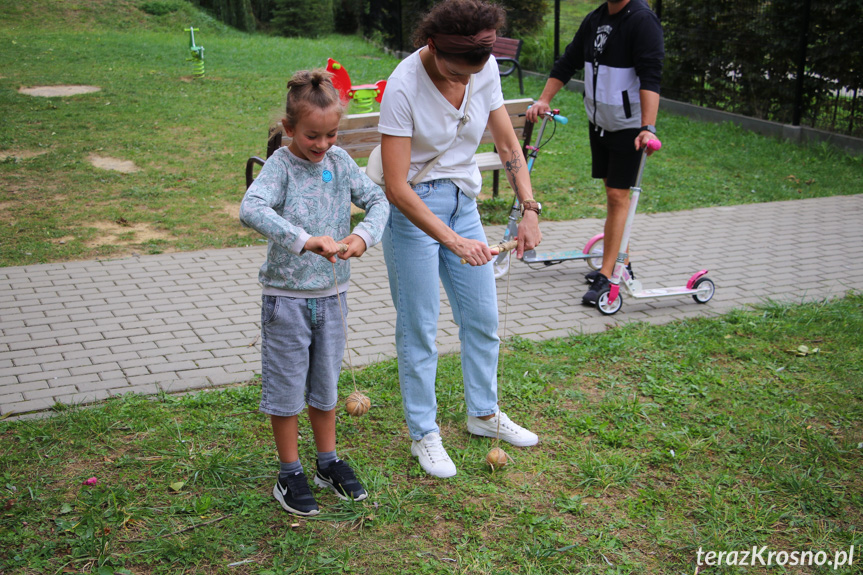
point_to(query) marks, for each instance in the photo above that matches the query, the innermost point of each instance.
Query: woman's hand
(529, 234)
(324, 246)
(473, 252)
(356, 247)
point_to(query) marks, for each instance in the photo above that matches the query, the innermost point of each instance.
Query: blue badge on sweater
(327, 176)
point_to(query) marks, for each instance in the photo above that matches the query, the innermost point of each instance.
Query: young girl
(301, 201)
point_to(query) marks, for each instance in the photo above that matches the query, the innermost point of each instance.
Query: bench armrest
(512, 68)
(250, 166)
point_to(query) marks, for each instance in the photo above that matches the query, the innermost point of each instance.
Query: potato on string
(357, 403)
(497, 458)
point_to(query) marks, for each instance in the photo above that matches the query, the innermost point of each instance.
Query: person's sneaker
(294, 495)
(339, 477)
(592, 295)
(433, 457)
(590, 276)
(510, 432)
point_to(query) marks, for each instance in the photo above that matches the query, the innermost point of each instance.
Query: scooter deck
(662, 292)
(532, 256)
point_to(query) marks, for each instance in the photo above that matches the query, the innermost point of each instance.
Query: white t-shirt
(413, 107)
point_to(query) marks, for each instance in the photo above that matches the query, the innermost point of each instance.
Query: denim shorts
(302, 347)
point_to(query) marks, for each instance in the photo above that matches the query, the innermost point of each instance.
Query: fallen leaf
(803, 350)
(177, 485)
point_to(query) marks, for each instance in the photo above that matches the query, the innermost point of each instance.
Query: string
(344, 327)
(503, 344)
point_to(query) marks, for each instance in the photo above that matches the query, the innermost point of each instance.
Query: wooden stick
(501, 248)
(343, 248)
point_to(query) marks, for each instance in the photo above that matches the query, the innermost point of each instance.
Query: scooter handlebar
(554, 115)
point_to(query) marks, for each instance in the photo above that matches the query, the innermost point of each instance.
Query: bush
(743, 57)
(537, 52)
(348, 15)
(236, 13)
(306, 18)
(524, 17)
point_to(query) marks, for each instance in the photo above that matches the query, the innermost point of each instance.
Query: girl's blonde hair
(310, 88)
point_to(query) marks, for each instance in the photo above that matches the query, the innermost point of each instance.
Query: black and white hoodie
(621, 55)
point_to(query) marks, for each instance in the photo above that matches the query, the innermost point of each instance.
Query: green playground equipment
(196, 54)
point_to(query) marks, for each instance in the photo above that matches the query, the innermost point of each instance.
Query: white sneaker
(509, 431)
(433, 457)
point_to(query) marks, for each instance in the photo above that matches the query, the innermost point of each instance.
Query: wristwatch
(531, 205)
(648, 128)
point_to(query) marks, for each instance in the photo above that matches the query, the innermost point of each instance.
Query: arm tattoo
(512, 168)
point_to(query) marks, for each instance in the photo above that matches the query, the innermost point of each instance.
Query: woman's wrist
(530, 206)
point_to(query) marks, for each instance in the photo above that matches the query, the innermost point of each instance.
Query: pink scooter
(700, 287)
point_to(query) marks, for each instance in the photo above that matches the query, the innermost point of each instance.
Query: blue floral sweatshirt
(292, 200)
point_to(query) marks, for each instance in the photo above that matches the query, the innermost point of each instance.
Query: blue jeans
(415, 262)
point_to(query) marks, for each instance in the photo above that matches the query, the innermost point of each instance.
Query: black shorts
(614, 157)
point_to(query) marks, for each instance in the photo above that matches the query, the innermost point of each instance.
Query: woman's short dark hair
(460, 17)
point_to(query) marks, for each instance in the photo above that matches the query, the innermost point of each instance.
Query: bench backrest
(358, 133)
(509, 48)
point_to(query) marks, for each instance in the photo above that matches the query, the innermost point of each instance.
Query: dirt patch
(117, 165)
(124, 234)
(20, 155)
(55, 91)
(232, 209)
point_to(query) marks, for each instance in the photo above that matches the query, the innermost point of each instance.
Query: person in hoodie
(620, 47)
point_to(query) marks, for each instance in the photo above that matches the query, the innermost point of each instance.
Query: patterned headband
(458, 44)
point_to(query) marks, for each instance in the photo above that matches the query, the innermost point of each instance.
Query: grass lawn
(189, 138)
(656, 441)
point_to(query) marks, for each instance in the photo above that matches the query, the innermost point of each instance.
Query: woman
(435, 223)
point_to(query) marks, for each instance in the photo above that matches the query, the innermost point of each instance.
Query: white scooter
(700, 287)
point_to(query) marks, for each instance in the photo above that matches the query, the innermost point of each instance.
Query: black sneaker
(592, 295)
(339, 477)
(295, 496)
(590, 276)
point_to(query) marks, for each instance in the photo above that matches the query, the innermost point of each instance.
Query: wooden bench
(507, 51)
(358, 136)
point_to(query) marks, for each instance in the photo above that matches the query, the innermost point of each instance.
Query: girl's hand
(473, 252)
(324, 246)
(356, 247)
